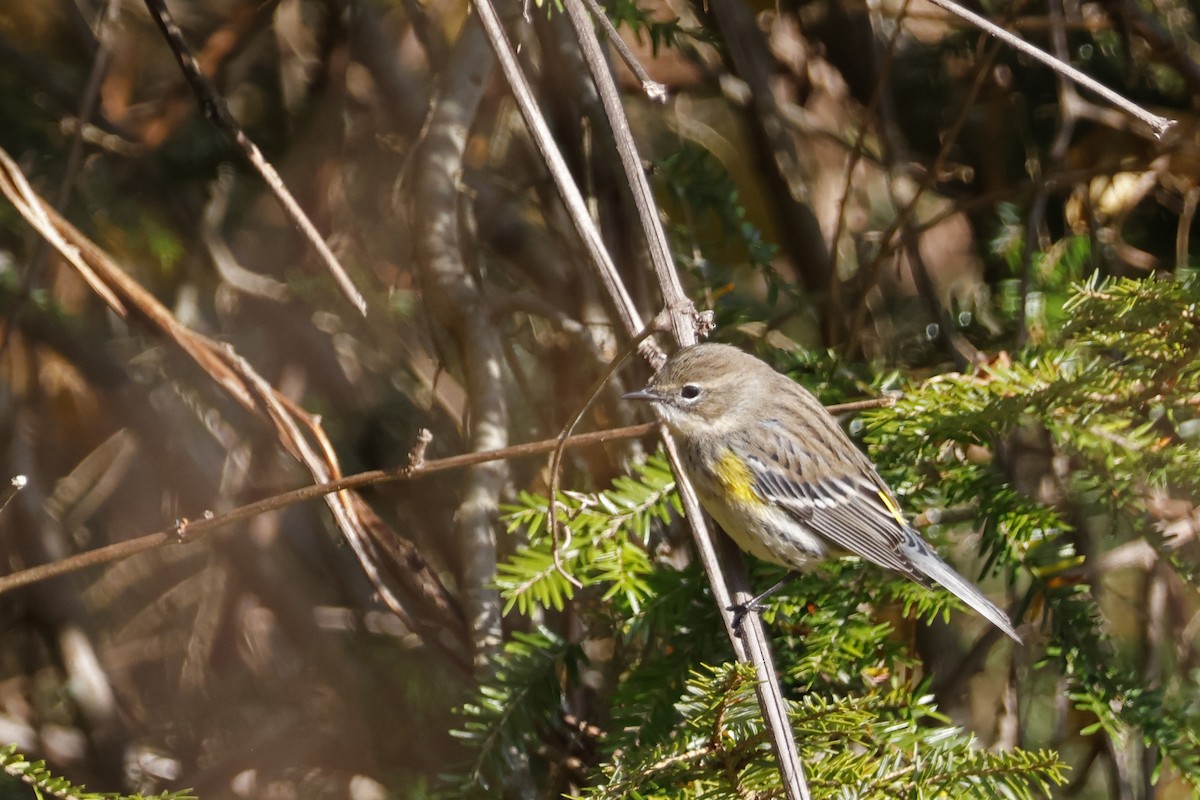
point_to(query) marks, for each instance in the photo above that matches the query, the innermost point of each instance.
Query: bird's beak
(640, 394)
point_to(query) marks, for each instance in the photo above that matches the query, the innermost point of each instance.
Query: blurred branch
(87, 107)
(856, 154)
(9, 492)
(1159, 125)
(223, 258)
(187, 531)
(58, 607)
(891, 241)
(750, 56)
(427, 30)
(1069, 102)
(217, 111)
(405, 97)
(679, 316)
(568, 191)
(898, 159)
(235, 376)
(364, 531)
(1162, 46)
(48, 82)
(432, 208)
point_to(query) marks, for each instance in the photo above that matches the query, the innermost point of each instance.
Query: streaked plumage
(781, 477)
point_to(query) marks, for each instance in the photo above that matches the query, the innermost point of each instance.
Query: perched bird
(783, 479)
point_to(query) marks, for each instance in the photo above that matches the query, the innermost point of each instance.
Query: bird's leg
(740, 610)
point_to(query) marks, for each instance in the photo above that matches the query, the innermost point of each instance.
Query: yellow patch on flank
(735, 478)
(892, 507)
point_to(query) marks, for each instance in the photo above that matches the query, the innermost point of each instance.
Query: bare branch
(539, 130)
(215, 109)
(433, 210)
(1160, 125)
(678, 315)
(652, 88)
(186, 530)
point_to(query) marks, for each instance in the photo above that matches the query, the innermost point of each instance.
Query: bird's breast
(726, 488)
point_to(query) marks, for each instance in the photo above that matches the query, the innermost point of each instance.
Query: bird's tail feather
(928, 564)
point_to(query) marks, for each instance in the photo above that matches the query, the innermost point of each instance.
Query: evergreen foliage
(610, 531)
(46, 784)
(823, 172)
(511, 715)
(1113, 393)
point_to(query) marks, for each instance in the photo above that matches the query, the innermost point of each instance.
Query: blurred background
(867, 194)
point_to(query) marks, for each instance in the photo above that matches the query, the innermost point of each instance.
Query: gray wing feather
(850, 511)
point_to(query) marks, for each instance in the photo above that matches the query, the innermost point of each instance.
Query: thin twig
(1159, 125)
(416, 456)
(564, 182)
(217, 111)
(556, 458)
(683, 321)
(650, 87)
(186, 530)
(9, 492)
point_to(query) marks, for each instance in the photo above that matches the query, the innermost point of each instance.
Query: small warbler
(783, 479)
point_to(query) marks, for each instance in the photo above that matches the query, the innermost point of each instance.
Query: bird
(782, 478)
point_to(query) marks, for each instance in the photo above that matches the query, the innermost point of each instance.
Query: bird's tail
(928, 564)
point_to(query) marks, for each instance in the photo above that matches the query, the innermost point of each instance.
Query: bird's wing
(851, 507)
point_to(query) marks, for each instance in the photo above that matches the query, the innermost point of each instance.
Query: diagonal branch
(124, 295)
(185, 530)
(679, 316)
(215, 109)
(569, 193)
(1160, 125)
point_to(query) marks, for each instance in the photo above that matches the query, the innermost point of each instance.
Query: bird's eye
(690, 392)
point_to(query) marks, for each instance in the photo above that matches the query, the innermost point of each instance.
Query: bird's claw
(740, 610)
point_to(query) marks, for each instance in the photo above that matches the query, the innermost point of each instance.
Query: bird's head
(699, 388)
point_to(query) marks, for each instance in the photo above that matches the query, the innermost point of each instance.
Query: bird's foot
(740, 610)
